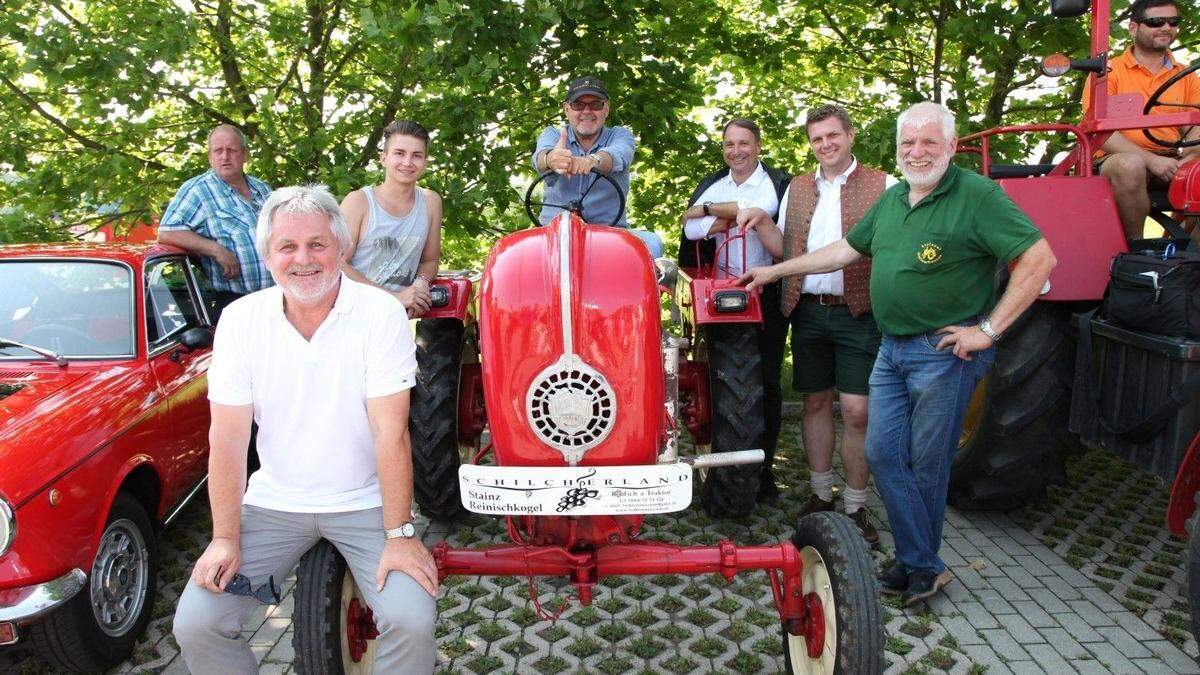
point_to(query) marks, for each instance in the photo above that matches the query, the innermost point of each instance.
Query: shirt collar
(839, 179)
(1169, 62)
(347, 292)
(756, 178)
(573, 140)
(948, 180)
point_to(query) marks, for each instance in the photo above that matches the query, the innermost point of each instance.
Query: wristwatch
(706, 205)
(595, 158)
(985, 327)
(405, 531)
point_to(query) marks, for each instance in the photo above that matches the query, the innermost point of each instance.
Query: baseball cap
(582, 86)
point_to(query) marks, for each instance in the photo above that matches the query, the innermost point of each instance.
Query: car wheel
(838, 579)
(97, 628)
(736, 386)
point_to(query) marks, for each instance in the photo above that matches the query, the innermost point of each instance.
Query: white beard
(309, 290)
(925, 180)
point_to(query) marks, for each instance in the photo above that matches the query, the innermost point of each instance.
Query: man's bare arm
(228, 440)
(826, 259)
(200, 245)
(725, 210)
(388, 416)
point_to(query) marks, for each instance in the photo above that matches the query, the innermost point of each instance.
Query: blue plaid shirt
(212, 208)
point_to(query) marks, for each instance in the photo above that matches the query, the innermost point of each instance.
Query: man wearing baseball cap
(585, 145)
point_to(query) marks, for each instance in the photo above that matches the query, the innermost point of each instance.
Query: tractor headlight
(730, 301)
(8, 525)
(439, 296)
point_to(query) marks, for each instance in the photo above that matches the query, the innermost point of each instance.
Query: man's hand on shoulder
(410, 557)
(217, 565)
(964, 339)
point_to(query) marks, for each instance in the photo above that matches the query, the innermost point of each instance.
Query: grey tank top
(391, 250)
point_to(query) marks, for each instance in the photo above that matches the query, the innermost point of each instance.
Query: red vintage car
(103, 437)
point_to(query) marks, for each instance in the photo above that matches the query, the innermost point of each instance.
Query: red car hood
(52, 418)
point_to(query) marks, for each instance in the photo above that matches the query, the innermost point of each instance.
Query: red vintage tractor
(1059, 381)
(583, 393)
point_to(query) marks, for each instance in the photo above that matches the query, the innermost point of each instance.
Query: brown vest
(863, 187)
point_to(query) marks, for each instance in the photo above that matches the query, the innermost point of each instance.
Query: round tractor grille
(571, 407)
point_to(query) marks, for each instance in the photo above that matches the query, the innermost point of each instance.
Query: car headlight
(730, 301)
(8, 525)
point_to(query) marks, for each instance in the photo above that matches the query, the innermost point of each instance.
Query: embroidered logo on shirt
(929, 253)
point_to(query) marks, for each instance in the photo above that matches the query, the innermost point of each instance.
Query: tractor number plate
(575, 491)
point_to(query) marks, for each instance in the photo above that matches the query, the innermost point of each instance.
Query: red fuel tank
(569, 332)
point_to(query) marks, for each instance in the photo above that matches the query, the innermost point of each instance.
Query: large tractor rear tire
(433, 417)
(1015, 438)
(736, 386)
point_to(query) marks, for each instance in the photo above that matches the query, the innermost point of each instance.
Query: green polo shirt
(934, 264)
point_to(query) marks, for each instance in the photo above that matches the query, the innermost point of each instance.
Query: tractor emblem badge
(929, 253)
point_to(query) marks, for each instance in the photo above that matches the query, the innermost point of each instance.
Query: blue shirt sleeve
(184, 211)
(621, 148)
(546, 140)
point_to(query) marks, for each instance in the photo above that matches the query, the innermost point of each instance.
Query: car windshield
(77, 308)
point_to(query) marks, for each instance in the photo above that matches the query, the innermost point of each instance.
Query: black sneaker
(813, 505)
(893, 580)
(923, 584)
(862, 519)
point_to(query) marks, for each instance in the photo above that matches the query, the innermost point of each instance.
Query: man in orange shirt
(1128, 159)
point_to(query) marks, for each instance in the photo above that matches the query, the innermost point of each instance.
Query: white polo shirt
(309, 396)
(755, 191)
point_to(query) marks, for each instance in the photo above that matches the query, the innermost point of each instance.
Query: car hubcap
(815, 652)
(358, 629)
(120, 576)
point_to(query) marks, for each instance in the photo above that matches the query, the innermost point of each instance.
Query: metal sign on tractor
(563, 356)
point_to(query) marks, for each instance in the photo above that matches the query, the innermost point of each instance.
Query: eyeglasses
(267, 594)
(1159, 21)
(590, 105)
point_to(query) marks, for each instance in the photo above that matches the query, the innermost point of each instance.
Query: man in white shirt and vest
(324, 365)
(834, 336)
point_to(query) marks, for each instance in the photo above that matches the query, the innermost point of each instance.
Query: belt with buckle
(825, 299)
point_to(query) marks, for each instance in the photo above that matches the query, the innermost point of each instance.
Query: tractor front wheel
(1015, 436)
(335, 631)
(844, 625)
(736, 386)
(433, 417)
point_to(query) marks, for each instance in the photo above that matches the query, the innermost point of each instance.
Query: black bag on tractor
(1156, 293)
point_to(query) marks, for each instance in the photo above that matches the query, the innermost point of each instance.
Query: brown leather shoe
(862, 519)
(813, 505)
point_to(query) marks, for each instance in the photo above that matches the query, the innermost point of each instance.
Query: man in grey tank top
(395, 227)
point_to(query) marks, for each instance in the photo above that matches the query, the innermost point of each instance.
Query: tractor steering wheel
(575, 205)
(1154, 102)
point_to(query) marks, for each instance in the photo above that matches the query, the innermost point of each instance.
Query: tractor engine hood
(570, 341)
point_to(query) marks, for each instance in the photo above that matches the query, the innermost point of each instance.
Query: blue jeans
(651, 240)
(918, 398)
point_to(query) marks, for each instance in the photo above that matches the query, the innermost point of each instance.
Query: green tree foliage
(105, 105)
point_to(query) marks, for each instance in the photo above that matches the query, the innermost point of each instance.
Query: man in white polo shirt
(324, 365)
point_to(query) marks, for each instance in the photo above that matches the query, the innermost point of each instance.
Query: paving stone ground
(1087, 582)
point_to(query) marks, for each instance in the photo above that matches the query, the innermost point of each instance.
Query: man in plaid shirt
(215, 214)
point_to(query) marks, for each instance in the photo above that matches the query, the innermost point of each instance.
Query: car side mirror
(200, 337)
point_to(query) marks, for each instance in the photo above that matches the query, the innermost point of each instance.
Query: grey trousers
(208, 625)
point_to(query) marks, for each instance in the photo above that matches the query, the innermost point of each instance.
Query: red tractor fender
(1184, 191)
(1183, 492)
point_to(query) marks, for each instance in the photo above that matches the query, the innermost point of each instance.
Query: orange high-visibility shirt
(1127, 76)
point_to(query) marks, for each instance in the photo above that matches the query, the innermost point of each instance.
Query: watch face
(408, 529)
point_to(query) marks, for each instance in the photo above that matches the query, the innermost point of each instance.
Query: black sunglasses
(267, 594)
(590, 105)
(1159, 21)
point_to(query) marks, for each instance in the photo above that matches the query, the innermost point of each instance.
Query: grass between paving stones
(1109, 523)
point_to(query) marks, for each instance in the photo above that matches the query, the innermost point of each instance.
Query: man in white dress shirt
(834, 336)
(744, 196)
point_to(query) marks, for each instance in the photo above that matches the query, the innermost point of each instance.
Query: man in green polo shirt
(934, 240)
